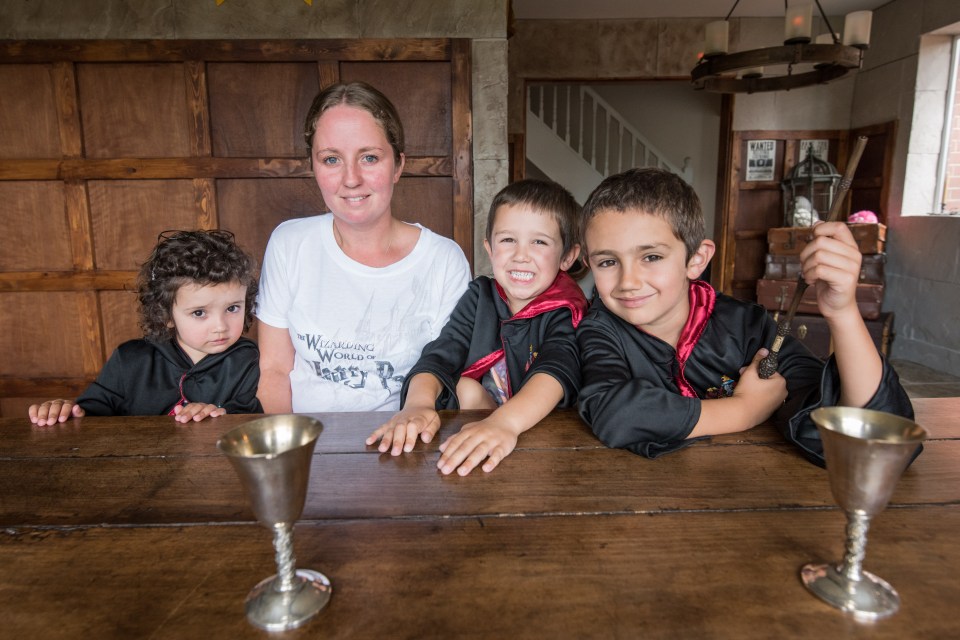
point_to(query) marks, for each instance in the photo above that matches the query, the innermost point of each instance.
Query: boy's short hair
(543, 196)
(653, 191)
(358, 95)
(191, 257)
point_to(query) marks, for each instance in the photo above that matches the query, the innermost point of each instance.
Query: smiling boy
(510, 344)
(667, 359)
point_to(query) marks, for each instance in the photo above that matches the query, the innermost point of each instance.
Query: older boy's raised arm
(831, 263)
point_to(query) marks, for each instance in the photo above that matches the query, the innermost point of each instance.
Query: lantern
(808, 191)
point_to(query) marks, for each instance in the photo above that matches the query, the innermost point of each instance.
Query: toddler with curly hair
(197, 292)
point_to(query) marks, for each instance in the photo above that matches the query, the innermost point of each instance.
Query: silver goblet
(272, 457)
(866, 452)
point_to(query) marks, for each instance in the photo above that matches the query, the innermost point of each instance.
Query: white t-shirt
(356, 330)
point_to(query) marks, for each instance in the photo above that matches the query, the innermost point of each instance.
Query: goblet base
(867, 599)
(274, 610)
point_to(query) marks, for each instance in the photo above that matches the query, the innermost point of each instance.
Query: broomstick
(768, 366)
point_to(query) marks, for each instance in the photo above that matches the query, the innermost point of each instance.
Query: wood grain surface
(138, 527)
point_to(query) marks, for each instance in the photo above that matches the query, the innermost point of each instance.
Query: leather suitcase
(788, 268)
(776, 295)
(815, 334)
(790, 241)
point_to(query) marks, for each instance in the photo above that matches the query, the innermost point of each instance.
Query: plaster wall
(484, 22)
(818, 107)
(686, 123)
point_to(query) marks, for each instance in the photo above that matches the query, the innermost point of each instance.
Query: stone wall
(482, 21)
(923, 252)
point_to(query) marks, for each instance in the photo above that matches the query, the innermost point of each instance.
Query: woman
(349, 298)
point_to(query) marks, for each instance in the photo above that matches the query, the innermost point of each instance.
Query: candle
(717, 38)
(856, 28)
(797, 27)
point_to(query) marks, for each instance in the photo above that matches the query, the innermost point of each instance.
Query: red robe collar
(703, 298)
(563, 293)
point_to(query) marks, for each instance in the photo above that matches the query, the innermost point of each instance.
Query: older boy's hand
(400, 433)
(54, 411)
(761, 397)
(477, 441)
(831, 263)
(197, 411)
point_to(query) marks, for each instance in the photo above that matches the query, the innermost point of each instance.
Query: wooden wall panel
(423, 103)
(120, 318)
(128, 216)
(49, 339)
(28, 113)
(106, 143)
(36, 236)
(252, 208)
(427, 201)
(134, 110)
(258, 109)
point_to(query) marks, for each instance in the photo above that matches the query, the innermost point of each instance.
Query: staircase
(578, 139)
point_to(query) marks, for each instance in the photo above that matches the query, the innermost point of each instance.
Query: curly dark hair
(191, 257)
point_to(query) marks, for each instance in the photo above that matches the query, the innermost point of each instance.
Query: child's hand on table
(54, 411)
(197, 411)
(400, 433)
(477, 441)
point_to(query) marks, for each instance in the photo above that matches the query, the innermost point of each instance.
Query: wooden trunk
(790, 241)
(776, 295)
(788, 268)
(813, 331)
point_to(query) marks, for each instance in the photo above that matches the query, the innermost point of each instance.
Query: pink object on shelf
(862, 216)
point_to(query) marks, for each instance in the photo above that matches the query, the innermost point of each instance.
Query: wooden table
(138, 528)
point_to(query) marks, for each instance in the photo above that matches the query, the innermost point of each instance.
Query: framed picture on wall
(761, 155)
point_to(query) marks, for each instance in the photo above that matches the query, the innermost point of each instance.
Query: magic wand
(768, 366)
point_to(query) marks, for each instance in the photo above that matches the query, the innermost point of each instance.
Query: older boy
(667, 359)
(510, 343)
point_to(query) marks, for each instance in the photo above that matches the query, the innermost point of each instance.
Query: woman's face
(354, 166)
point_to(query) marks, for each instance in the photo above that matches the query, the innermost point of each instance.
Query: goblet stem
(858, 522)
(283, 545)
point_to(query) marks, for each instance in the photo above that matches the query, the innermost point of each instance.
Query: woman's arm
(276, 363)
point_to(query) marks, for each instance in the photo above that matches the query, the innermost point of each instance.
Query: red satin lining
(563, 293)
(703, 298)
(481, 366)
(182, 402)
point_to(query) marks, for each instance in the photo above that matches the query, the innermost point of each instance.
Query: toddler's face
(208, 319)
(526, 250)
(641, 270)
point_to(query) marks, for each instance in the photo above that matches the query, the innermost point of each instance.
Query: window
(948, 171)
(932, 181)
